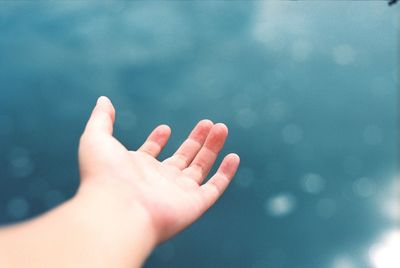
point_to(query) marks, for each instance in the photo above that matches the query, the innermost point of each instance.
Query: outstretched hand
(128, 202)
(172, 193)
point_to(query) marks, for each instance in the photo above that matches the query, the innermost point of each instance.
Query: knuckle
(182, 159)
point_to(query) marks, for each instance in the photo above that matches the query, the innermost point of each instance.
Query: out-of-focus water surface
(308, 90)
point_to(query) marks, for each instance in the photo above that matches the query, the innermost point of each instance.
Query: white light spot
(391, 209)
(280, 205)
(292, 134)
(343, 54)
(372, 135)
(326, 208)
(301, 50)
(17, 208)
(312, 183)
(277, 22)
(343, 262)
(390, 205)
(364, 187)
(385, 254)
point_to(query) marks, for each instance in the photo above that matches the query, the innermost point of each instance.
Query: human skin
(128, 202)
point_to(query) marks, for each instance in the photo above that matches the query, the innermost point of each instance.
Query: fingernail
(102, 99)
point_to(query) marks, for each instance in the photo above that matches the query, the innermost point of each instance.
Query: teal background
(308, 90)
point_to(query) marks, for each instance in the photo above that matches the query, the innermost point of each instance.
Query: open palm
(172, 191)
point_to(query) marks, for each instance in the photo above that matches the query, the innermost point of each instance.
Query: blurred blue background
(308, 90)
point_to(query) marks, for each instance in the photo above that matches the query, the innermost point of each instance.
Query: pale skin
(128, 202)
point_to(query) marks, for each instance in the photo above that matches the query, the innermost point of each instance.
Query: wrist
(93, 229)
(116, 222)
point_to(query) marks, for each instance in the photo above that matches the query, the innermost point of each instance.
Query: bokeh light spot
(364, 187)
(280, 205)
(18, 208)
(343, 262)
(385, 254)
(312, 183)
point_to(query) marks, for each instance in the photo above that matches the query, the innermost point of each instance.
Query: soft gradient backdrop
(308, 90)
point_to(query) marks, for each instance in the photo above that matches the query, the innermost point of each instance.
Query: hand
(170, 192)
(127, 202)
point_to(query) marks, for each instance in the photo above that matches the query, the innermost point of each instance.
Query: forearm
(90, 230)
(128, 200)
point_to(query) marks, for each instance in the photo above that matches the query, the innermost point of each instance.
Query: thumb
(102, 118)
